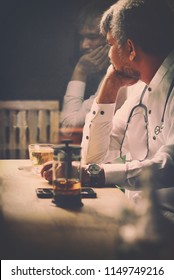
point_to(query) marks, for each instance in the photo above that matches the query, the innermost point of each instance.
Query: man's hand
(60, 170)
(91, 63)
(47, 171)
(112, 82)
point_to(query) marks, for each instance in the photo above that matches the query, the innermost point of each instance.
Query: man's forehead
(90, 25)
(109, 37)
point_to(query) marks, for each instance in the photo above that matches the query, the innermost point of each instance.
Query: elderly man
(119, 148)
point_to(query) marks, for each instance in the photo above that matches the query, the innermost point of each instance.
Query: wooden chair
(26, 122)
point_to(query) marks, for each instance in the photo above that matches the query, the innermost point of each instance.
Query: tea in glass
(40, 154)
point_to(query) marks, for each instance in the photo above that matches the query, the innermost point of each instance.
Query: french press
(67, 175)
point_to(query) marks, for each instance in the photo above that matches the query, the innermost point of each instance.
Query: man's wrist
(79, 74)
(89, 180)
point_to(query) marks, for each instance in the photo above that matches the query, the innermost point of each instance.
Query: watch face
(94, 169)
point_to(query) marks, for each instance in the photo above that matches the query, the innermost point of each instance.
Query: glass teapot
(67, 175)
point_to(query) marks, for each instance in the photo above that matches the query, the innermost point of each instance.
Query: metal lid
(66, 147)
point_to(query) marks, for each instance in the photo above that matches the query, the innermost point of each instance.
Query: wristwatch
(93, 171)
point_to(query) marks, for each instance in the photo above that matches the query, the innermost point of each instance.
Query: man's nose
(85, 44)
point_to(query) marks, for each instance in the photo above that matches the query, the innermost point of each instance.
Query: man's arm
(101, 145)
(75, 107)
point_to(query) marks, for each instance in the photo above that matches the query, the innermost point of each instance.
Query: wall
(37, 46)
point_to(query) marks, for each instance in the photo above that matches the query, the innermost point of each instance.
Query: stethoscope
(158, 128)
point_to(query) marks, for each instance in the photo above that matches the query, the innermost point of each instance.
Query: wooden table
(33, 228)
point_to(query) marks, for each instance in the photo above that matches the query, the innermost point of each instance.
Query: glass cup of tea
(40, 154)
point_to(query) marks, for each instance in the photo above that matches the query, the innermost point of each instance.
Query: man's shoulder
(136, 89)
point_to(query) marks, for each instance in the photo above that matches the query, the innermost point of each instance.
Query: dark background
(37, 41)
(37, 45)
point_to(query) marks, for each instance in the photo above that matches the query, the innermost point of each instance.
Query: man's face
(90, 37)
(120, 58)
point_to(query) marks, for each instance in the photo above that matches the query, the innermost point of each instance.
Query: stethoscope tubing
(158, 128)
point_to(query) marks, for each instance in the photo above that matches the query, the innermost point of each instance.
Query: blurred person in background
(90, 68)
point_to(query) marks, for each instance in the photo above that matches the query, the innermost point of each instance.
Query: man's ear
(131, 50)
